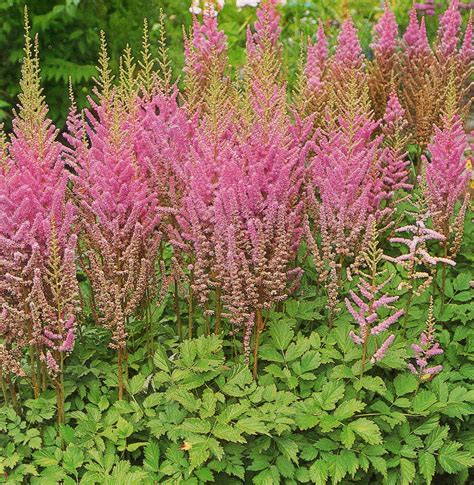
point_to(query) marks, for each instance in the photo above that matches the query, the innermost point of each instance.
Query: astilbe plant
(454, 60)
(211, 149)
(419, 264)
(420, 84)
(366, 305)
(206, 53)
(38, 286)
(345, 185)
(426, 349)
(310, 93)
(383, 70)
(257, 214)
(394, 164)
(120, 215)
(447, 177)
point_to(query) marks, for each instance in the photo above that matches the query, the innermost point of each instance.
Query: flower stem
(258, 331)
(179, 328)
(217, 328)
(120, 373)
(190, 313)
(4, 389)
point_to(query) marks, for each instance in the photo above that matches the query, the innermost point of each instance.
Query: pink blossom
(348, 50)
(386, 35)
(446, 174)
(426, 349)
(448, 32)
(380, 354)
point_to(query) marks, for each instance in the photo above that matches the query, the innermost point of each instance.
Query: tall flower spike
(446, 174)
(466, 52)
(383, 70)
(316, 60)
(206, 53)
(365, 308)
(386, 35)
(418, 262)
(448, 32)
(412, 32)
(394, 163)
(348, 50)
(426, 349)
(38, 287)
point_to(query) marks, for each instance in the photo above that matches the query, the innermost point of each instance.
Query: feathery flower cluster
(367, 306)
(446, 174)
(425, 350)
(38, 287)
(418, 257)
(448, 32)
(394, 166)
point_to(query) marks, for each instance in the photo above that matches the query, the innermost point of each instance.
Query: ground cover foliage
(240, 282)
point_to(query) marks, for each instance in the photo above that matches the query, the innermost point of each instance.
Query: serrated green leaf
(45, 457)
(350, 462)
(331, 393)
(374, 384)
(427, 465)
(281, 334)
(319, 472)
(289, 448)
(161, 360)
(152, 400)
(251, 425)
(407, 471)
(427, 426)
(226, 432)
(195, 425)
(436, 438)
(452, 460)
(208, 405)
(151, 460)
(379, 464)
(367, 430)
(423, 401)
(347, 437)
(405, 383)
(124, 428)
(347, 409)
(198, 454)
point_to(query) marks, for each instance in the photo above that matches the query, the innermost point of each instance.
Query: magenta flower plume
(448, 32)
(415, 37)
(428, 7)
(317, 55)
(258, 225)
(161, 143)
(206, 48)
(425, 350)
(348, 53)
(386, 36)
(466, 52)
(38, 287)
(120, 215)
(394, 164)
(267, 26)
(446, 174)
